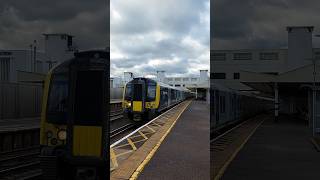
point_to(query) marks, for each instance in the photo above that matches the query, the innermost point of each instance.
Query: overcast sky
(260, 23)
(22, 21)
(151, 35)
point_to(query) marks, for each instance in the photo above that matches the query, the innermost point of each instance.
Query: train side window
(88, 98)
(151, 92)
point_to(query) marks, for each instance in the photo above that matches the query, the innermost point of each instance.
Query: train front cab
(141, 99)
(74, 119)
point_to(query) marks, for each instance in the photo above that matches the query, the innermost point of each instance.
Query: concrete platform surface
(280, 150)
(185, 153)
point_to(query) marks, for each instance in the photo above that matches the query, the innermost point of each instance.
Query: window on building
(269, 56)
(4, 68)
(169, 79)
(193, 79)
(218, 56)
(177, 79)
(218, 75)
(185, 79)
(236, 75)
(177, 85)
(242, 56)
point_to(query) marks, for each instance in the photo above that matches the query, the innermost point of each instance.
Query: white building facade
(15, 64)
(226, 65)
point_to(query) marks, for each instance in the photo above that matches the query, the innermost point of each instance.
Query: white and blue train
(229, 106)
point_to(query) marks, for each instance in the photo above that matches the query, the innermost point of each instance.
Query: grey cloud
(134, 34)
(58, 10)
(23, 21)
(259, 23)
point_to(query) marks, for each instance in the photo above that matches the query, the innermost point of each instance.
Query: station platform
(184, 153)
(281, 150)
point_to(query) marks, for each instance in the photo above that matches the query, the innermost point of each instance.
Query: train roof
(172, 87)
(86, 54)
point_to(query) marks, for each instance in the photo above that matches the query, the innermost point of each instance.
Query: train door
(163, 98)
(139, 96)
(88, 123)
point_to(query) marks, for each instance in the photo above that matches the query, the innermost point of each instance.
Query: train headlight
(129, 104)
(62, 134)
(49, 134)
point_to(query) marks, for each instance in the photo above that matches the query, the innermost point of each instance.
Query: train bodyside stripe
(157, 96)
(43, 137)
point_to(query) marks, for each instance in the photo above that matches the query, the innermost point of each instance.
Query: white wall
(299, 47)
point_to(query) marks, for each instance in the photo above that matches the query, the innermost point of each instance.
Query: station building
(198, 84)
(32, 64)
(290, 75)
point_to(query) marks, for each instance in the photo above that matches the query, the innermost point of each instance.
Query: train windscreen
(128, 92)
(151, 92)
(58, 98)
(137, 92)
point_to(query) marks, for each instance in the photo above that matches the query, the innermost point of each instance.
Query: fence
(20, 100)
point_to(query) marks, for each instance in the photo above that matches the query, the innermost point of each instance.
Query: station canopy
(290, 82)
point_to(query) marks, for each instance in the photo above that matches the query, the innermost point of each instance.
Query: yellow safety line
(224, 167)
(145, 137)
(139, 140)
(151, 129)
(127, 144)
(124, 153)
(156, 124)
(139, 135)
(134, 176)
(116, 147)
(132, 144)
(113, 158)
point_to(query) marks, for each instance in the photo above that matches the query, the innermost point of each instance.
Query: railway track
(20, 164)
(121, 130)
(116, 115)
